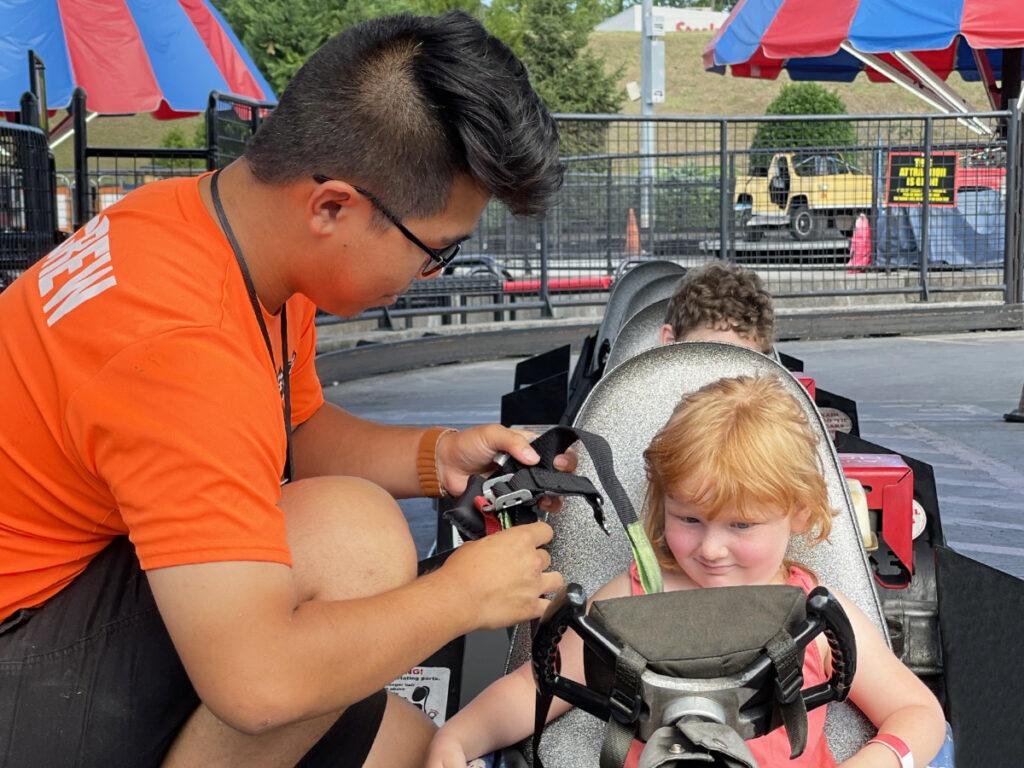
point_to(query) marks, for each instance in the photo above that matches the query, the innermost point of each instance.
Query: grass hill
(689, 91)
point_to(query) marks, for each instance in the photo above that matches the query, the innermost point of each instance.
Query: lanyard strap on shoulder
(285, 384)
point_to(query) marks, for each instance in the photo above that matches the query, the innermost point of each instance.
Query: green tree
(801, 99)
(553, 46)
(281, 34)
(178, 138)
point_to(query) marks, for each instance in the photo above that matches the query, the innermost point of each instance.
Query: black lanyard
(285, 387)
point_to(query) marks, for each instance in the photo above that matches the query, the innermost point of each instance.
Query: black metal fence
(103, 175)
(230, 122)
(817, 205)
(28, 226)
(820, 206)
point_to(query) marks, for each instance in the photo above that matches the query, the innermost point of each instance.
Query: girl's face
(728, 551)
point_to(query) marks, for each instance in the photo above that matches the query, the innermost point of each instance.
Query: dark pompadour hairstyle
(402, 104)
(718, 295)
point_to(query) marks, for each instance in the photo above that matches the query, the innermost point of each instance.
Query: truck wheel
(804, 224)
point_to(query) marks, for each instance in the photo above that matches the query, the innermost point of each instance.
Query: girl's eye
(690, 520)
(742, 526)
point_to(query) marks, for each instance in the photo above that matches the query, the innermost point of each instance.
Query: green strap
(647, 567)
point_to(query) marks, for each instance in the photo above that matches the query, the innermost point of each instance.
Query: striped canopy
(159, 56)
(762, 37)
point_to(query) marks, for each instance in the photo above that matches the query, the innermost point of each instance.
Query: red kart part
(808, 384)
(889, 485)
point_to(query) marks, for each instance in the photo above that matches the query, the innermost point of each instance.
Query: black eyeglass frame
(437, 258)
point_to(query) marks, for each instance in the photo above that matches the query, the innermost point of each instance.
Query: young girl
(732, 476)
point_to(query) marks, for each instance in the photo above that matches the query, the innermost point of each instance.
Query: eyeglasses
(437, 258)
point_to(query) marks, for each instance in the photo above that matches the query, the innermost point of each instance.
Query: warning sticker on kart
(836, 421)
(426, 688)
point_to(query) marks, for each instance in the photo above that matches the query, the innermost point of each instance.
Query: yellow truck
(809, 193)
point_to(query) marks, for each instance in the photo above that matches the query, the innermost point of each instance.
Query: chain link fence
(817, 205)
(103, 175)
(230, 122)
(906, 206)
(27, 213)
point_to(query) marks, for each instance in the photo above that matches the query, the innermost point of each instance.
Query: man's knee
(348, 538)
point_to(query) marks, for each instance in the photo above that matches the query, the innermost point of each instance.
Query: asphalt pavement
(937, 398)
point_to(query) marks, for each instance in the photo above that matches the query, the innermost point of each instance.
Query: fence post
(1012, 262)
(925, 201)
(81, 197)
(608, 219)
(29, 109)
(545, 288)
(37, 87)
(877, 185)
(723, 190)
(211, 131)
(254, 120)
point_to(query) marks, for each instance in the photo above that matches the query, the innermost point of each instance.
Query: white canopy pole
(66, 129)
(917, 88)
(925, 75)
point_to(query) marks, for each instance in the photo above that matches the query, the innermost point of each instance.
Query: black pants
(91, 680)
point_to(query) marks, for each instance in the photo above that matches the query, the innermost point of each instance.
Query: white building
(676, 20)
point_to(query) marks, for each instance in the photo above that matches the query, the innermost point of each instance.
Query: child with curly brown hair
(721, 302)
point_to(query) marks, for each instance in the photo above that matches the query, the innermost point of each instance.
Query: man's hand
(472, 451)
(503, 576)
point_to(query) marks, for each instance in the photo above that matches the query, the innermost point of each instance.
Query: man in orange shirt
(162, 418)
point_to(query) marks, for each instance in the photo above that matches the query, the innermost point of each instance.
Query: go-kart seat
(628, 406)
(639, 333)
(620, 300)
(655, 291)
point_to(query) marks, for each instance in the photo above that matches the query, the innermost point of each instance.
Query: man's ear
(668, 336)
(326, 203)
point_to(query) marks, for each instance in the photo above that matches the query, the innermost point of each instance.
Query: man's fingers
(526, 434)
(545, 559)
(567, 462)
(539, 533)
(550, 503)
(516, 443)
(551, 581)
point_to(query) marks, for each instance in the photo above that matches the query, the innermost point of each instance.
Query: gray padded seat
(628, 406)
(655, 291)
(639, 333)
(623, 290)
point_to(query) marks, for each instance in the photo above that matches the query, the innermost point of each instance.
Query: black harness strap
(285, 382)
(789, 680)
(626, 698)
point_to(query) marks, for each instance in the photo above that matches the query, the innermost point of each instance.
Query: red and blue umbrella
(820, 39)
(159, 56)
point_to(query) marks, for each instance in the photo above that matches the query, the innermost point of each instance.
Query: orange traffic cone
(860, 246)
(632, 235)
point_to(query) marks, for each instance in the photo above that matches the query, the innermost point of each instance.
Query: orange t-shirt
(139, 398)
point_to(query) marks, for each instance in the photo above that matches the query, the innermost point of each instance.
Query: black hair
(401, 105)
